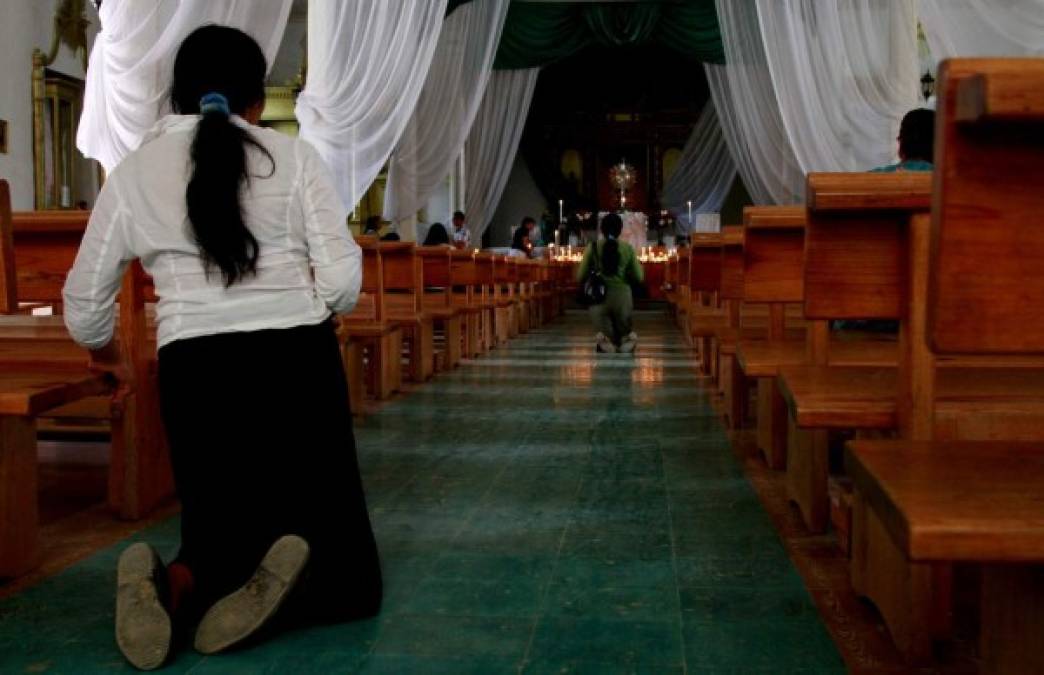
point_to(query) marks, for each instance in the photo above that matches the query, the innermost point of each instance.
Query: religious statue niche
(622, 177)
(62, 177)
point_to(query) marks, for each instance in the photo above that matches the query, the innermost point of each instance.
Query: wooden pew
(772, 275)
(855, 244)
(965, 484)
(466, 283)
(745, 321)
(676, 290)
(438, 302)
(404, 301)
(704, 311)
(372, 342)
(41, 369)
(505, 297)
(486, 268)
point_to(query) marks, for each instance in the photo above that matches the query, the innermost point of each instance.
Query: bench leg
(913, 598)
(513, 321)
(502, 329)
(422, 351)
(1012, 619)
(472, 344)
(807, 473)
(387, 356)
(355, 371)
(19, 508)
(736, 396)
(140, 475)
(772, 424)
(453, 340)
(488, 340)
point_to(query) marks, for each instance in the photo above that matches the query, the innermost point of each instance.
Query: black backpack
(593, 289)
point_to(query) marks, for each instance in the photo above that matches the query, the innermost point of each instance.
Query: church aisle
(542, 509)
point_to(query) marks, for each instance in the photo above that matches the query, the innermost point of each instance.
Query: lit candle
(623, 203)
(561, 212)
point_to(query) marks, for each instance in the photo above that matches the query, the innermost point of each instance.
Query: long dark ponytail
(220, 71)
(612, 226)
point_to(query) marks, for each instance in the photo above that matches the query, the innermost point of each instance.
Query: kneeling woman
(247, 244)
(618, 264)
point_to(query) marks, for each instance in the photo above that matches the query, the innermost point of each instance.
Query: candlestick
(690, 215)
(561, 212)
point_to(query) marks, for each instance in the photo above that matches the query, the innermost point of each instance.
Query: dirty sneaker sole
(243, 612)
(143, 628)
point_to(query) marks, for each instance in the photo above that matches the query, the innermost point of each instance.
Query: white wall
(521, 198)
(24, 26)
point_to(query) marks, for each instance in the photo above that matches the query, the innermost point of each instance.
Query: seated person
(520, 246)
(916, 151)
(461, 234)
(916, 143)
(391, 236)
(437, 236)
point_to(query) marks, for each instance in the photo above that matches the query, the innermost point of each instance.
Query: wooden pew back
(856, 243)
(705, 263)
(773, 254)
(732, 262)
(986, 288)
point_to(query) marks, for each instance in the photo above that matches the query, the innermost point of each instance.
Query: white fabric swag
(748, 110)
(705, 171)
(983, 27)
(128, 76)
(367, 63)
(434, 137)
(493, 141)
(844, 73)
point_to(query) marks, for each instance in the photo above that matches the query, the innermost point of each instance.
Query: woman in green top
(619, 266)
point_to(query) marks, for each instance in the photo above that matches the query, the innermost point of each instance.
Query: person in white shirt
(248, 248)
(461, 234)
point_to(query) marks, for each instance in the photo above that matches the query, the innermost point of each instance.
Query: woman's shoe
(144, 631)
(604, 344)
(243, 612)
(629, 343)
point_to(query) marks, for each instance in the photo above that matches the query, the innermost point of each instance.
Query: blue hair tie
(214, 103)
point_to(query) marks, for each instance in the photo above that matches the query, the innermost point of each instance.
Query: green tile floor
(541, 509)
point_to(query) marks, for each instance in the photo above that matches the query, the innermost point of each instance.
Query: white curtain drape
(705, 171)
(129, 72)
(844, 72)
(434, 137)
(367, 63)
(489, 152)
(983, 27)
(748, 110)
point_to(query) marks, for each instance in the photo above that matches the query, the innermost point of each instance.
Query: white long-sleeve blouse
(308, 264)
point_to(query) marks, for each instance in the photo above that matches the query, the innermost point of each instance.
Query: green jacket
(627, 272)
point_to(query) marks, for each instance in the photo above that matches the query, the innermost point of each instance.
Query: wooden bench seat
(979, 502)
(24, 395)
(761, 358)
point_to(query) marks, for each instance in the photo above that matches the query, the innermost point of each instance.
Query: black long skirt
(262, 445)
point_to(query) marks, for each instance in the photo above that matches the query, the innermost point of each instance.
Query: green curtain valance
(539, 33)
(536, 34)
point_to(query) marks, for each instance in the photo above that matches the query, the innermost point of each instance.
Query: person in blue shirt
(916, 143)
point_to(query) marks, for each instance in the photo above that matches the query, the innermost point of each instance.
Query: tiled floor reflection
(541, 509)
